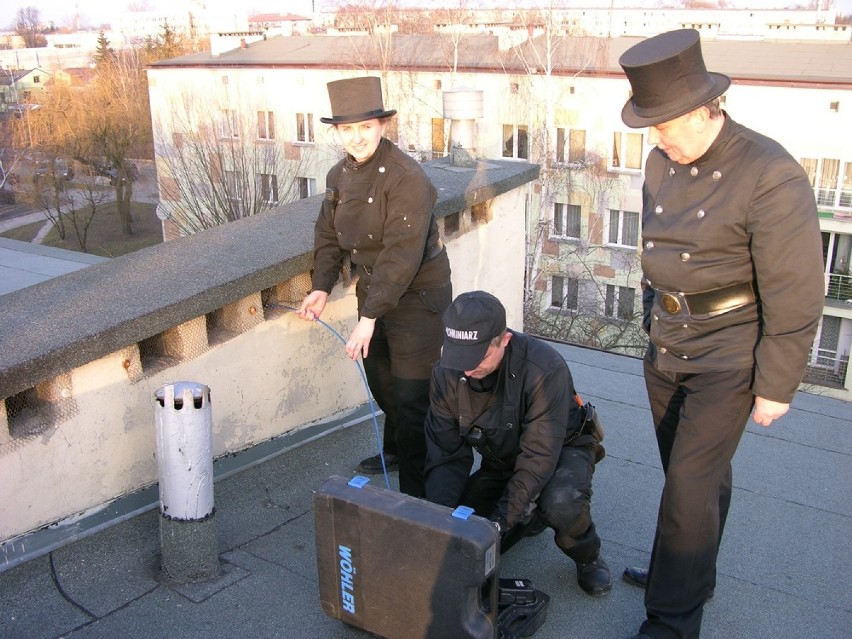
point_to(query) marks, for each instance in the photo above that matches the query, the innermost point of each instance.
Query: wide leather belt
(713, 302)
(432, 253)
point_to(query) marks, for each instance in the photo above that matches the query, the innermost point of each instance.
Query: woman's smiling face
(361, 139)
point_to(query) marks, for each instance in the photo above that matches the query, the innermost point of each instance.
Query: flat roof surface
(783, 569)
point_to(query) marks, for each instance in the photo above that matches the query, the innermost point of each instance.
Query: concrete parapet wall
(83, 354)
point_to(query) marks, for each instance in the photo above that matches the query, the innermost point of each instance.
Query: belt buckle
(671, 303)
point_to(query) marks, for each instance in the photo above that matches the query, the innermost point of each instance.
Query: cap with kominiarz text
(470, 323)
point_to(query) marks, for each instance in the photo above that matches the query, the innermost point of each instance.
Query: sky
(96, 12)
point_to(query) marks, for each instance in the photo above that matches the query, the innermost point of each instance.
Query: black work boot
(373, 465)
(639, 577)
(594, 577)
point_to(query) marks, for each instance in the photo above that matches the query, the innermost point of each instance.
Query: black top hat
(356, 100)
(668, 78)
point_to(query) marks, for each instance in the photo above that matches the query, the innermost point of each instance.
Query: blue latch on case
(463, 512)
(358, 481)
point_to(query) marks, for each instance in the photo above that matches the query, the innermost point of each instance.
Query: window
(619, 303)
(837, 256)
(36, 79)
(627, 150)
(576, 145)
(515, 142)
(232, 185)
(268, 187)
(564, 293)
(834, 106)
(265, 125)
(229, 126)
(831, 180)
(307, 187)
(305, 128)
(624, 228)
(566, 220)
(439, 144)
(392, 130)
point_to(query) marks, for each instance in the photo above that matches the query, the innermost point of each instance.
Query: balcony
(84, 353)
(828, 369)
(839, 289)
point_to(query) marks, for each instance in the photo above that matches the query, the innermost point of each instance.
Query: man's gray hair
(714, 107)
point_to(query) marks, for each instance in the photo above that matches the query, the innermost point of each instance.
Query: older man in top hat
(732, 295)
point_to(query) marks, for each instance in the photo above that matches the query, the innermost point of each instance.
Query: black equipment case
(402, 567)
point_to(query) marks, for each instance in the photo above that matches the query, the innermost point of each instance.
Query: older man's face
(683, 139)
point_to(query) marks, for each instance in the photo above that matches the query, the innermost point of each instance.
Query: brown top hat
(356, 100)
(668, 78)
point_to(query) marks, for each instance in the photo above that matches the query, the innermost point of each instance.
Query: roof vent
(462, 106)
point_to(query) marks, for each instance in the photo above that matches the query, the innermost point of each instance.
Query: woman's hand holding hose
(312, 306)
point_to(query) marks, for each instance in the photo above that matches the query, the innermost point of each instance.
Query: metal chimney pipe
(185, 456)
(462, 106)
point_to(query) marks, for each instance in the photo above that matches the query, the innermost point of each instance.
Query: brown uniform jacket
(744, 212)
(383, 220)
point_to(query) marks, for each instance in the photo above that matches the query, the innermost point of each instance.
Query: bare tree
(586, 310)
(117, 125)
(88, 201)
(454, 22)
(379, 20)
(579, 288)
(74, 147)
(28, 26)
(48, 193)
(220, 162)
(11, 152)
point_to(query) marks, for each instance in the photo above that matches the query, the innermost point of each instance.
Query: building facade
(552, 100)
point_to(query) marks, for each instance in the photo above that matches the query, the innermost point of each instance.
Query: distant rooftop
(812, 62)
(23, 264)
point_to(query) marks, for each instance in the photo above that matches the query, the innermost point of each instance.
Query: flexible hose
(366, 387)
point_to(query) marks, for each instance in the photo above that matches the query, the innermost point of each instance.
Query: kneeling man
(511, 397)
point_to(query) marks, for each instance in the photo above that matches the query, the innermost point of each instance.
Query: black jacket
(743, 212)
(383, 220)
(533, 413)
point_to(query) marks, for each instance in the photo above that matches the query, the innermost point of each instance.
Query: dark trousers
(699, 419)
(405, 345)
(564, 504)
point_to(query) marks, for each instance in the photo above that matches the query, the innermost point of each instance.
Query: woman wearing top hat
(732, 296)
(378, 215)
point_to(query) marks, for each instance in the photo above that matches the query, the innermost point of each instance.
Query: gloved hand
(499, 522)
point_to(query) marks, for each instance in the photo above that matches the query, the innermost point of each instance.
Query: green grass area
(105, 236)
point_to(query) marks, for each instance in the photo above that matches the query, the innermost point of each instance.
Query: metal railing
(827, 368)
(829, 197)
(839, 287)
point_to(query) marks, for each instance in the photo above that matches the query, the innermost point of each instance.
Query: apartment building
(552, 100)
